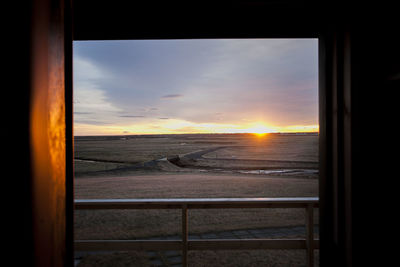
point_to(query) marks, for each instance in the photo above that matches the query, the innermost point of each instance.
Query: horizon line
(149, 134)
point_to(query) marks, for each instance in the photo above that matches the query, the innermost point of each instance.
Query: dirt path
(200, 153)
(173, 185)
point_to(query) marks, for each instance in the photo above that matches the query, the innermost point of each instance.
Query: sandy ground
(180, 185)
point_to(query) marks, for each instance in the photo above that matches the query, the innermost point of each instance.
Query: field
(272, 154)
(197, 165)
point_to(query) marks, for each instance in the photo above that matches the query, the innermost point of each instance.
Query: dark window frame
(254, 20)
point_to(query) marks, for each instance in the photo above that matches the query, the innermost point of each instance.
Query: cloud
(131, 116)
(163, 118)
(172, 96)
(82, 113)
(92, 122)
(91, 104)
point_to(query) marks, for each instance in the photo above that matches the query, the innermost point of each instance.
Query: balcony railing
(185, 244)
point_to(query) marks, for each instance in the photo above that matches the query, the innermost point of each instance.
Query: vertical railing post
(184, 235)
(310, 235)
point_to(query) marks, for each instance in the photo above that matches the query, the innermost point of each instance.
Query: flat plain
(272, 154)
(194, 166)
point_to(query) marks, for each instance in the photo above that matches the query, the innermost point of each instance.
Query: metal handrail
(308, 203)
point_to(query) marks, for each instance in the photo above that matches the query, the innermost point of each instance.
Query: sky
(195, 86)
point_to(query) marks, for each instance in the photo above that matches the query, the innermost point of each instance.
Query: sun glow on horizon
(260, 129)
(175, 126)
(260, 134)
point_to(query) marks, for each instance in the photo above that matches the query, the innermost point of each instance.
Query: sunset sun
(260, 130)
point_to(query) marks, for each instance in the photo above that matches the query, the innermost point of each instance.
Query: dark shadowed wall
(361, 77)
